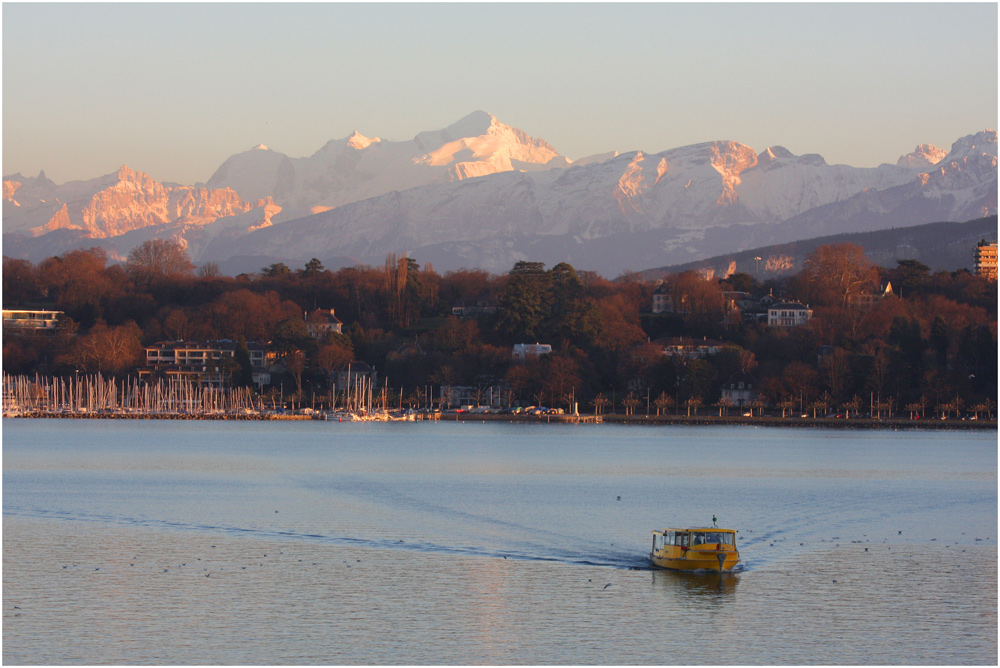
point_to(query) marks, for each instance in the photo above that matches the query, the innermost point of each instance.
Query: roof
(789, 306)
(695, 529)
(223, 344)
(321, 316)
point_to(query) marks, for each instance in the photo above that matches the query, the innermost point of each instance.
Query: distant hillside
(941, 246)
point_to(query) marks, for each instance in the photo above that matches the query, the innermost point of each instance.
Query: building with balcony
(984, 260)
(205, 362)
(18, 321)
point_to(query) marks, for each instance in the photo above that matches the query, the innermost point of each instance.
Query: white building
(788, 314)
(27, 320)
(321, 323)
(202, 361)
(523, 351)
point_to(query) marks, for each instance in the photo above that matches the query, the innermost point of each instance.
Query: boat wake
(611, 559)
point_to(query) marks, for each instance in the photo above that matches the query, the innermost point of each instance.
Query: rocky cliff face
(112, 205)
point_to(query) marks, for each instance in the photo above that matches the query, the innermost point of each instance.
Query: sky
(174, 89)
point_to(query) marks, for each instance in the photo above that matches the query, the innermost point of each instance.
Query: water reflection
(687, 584)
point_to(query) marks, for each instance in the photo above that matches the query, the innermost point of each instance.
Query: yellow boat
(691, 549)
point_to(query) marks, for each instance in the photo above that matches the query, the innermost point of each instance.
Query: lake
(200, 542)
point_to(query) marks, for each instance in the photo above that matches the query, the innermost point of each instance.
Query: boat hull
(695, 559)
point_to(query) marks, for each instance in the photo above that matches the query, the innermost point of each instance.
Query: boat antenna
(713, 522)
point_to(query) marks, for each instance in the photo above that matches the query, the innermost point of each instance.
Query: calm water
(159, 542)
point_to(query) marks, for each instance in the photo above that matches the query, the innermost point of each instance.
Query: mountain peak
(922, 157)
(359, 141)
(773, 153)
(129, 175)
(979, 141)
(475, 124)
(260, 147)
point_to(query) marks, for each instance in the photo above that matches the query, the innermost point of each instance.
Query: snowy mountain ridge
(480, 193)
(358, 167)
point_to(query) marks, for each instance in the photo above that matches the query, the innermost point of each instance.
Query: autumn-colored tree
(836, 272)
(78, 283)
(699, 299)
(522, 379)
(612, 324)
(253, 316)
(110, 350)
(176, 324)
(560, 374)
(20, 282)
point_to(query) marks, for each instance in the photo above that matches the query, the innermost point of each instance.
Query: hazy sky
(174, 89)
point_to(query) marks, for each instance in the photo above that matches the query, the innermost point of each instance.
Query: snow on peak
(772, 153)
(481, 138)
(922, 157)
(260, 147)
(359, 141)
(984, 142)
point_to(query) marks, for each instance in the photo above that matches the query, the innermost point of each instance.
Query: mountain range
(482, 194)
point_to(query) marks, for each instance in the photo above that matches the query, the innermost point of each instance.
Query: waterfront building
(205, 362)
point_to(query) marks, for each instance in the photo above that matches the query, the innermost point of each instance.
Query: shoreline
(763, 421)
(641, 420)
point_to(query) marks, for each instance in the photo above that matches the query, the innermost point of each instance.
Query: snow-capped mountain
(483, 194)
(358, 167)
(637, 210)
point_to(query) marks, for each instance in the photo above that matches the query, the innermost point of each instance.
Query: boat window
(657, 542)
(706, 537)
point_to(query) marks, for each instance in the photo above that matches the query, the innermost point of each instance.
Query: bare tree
(663, 402)
(725, 403)
(838, 272)
(158, 259)
(692, 404)
(630, 402)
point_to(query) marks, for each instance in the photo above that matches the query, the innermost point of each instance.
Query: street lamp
(758, 267)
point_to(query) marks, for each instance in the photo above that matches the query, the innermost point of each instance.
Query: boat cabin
(688, 538)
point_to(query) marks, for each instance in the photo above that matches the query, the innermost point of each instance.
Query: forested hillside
(934, 347)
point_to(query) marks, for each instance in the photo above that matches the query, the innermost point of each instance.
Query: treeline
(932, 345)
